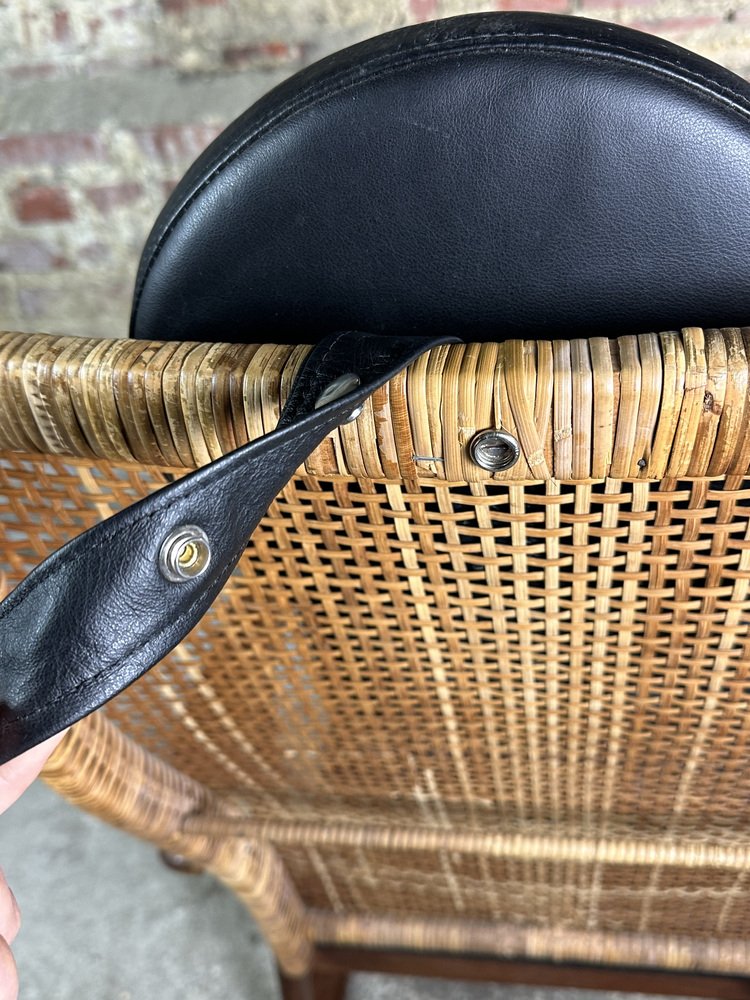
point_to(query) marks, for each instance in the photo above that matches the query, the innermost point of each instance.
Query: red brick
(130, 61)
(423, 10)
(54, 147)
(41, 203)
(61, 26)
(181, 6)
(610, 5)
(34, 71)
(176, 143)
(244, 56)
(546, 6)
(619, 11)
(675, 25)
(94, 253)
(111, 196)
(120, 14)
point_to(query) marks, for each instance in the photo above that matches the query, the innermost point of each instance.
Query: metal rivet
(494, 450)
(338, 388)
(185, 553)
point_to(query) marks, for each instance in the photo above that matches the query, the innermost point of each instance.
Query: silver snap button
(494, 450)
(185, 553)
(338, 388)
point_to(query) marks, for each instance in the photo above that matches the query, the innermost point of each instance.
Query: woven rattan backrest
(410, 641)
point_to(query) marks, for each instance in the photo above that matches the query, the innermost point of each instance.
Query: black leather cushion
(491, 175)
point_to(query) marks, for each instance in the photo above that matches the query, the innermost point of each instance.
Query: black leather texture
(490, 175)
(98, 613)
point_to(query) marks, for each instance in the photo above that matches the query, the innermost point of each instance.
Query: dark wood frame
(333, 964)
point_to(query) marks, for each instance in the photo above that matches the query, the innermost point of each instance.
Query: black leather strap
(98, 613)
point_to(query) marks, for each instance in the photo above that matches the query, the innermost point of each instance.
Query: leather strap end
(102, 610)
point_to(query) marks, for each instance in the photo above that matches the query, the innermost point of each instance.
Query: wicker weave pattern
(516, 701)
(501, 669)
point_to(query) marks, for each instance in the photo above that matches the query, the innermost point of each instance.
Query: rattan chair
(441, 718)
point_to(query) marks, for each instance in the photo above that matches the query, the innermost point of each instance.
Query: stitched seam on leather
(9, 604)
(10, 724)
(312, 96)
(111, 667)
(591, 48)
(86, 682)
(4, 727)
(166, 504)
(188, 611)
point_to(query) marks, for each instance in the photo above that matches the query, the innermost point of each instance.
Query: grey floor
(103, 919)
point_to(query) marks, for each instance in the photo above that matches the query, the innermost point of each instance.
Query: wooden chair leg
(295, 988)
(330, 985)
(314, 986)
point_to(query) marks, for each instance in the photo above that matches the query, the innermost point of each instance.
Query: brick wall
(104, 103)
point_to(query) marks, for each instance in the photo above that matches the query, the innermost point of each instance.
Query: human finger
(17, 775)
(8, 972)
(10, 915)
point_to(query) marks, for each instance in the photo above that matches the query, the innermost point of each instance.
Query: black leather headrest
(493, 175)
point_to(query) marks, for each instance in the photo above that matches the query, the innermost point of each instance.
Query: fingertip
(8, 972)
(17, 774)
(10, 913)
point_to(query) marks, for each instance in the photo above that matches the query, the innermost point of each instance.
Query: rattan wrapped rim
(639, 407)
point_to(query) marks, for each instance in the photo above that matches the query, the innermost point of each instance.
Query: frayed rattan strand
(155, 412)
(37, 378)
(562, 401)
(453, 445)
(434, 395)
(504, 415)
(467, 420)
(130, 400)
(712, 403)
(734, 406)
(521, 383)
(604, 406)
(18, 430)
(652, 375)
(672, 353)
(691, 405)
(629, 404)
(583, 406)
(543, 391)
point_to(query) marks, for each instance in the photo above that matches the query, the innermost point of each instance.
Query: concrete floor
(103, 919)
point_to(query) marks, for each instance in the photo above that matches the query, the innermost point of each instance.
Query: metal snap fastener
(494, 450)
(185, 553)
(338, 388)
